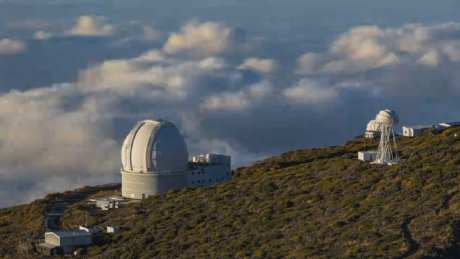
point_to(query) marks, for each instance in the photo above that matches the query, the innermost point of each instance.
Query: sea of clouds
(211, 80)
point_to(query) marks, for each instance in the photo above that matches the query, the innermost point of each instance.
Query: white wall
(208, 175)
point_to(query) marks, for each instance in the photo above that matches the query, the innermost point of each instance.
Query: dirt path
(52, 219)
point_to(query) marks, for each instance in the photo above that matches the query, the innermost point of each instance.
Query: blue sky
(245, 78)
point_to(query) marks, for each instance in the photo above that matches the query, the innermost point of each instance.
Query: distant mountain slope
(317, 203)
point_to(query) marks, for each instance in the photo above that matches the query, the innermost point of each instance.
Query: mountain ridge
(319, 202)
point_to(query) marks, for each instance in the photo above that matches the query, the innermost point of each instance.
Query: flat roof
(419, 126)
(69, 233)
(111, 198)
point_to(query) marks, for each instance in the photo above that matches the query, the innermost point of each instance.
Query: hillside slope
(318, 203)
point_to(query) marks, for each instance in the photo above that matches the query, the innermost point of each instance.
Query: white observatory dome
(372, 126)
(154, 146)
(387, 117)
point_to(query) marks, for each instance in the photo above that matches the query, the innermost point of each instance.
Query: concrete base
(143, 185)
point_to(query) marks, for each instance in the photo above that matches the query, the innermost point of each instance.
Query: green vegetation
(317, 203)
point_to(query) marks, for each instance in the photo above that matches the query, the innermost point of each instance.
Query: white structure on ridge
(367, 156)
(154, 160)
(412, 131)
(65, 241)
(387, 150)
(372, 129)
(445, 125)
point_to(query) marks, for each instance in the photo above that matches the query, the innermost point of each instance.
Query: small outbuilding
(112, 229)
(67, 240)
(107, 203)
(412, 131)
(367, 156)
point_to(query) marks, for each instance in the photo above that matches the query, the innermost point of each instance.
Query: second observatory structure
(387, 151)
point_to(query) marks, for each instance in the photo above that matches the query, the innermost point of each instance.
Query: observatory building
(412, 131)
(154, 160)
(372, 130)
(382, 126)
(387, 151)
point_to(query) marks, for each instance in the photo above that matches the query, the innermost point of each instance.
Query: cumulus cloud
(42, 35)
(151, 75)
(360, 49)
(308, 91)
(43, 140)
(413, 60)
(431, 58)
(366, 48)
(92, 26)
(238, 101)
(265, 66)
(138, 32)
(97, 26)
(151, 33)
(204, 39)
(11, 46)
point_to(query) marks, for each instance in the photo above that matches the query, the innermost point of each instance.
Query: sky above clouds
(246, 79)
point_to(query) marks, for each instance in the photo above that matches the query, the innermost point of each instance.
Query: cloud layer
(369, 47)
(203, 39)
(11, 46)
(223, 98)
(92, 26)
(265, 66)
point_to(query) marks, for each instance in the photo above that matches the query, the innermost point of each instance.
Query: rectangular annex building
(412, 131)
(68, 240)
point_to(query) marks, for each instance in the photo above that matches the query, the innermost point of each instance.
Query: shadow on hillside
(454, 250)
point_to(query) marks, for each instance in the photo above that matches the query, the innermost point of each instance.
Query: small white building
(412, 131)
(112, 229)
(67, 240)
(367, 156)
(107, 203)
(448, 124)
